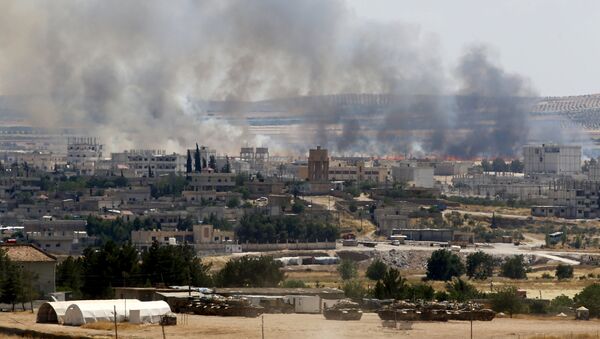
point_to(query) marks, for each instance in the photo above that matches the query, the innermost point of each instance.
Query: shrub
(514, 268)
(293, 284)
(507, 300)
(347, 269)
(354, 289)
(460, 290)
(564, 271)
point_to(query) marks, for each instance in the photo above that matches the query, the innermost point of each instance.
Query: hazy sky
(556, 44)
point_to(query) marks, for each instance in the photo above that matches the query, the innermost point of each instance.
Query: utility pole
(115, 314)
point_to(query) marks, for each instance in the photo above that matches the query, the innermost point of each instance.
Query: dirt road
(302, 326)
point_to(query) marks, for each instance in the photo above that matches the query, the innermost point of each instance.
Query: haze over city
(300, 169)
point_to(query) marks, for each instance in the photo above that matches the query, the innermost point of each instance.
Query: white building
(140, 162)
(552, 159)
(414, 175)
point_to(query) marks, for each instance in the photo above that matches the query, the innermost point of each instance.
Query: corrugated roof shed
(26, 253)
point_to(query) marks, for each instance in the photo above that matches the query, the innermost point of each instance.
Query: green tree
(347, 269)
(11, 285)
(514, 268)
(233, 202)
(69, 276)
(516, 166)
(250, 272)
(486, 166)
(212, 163)
(590, 298)
(564, 271)
(507, 300)
(460, 290)
(174, 265)
(392, 285)
(197, 162)
(443, 265)
(561, 303)
(420, 292)
(376, 270)
(480, 265)
(227, 167)
(188, 163)
(498, 165)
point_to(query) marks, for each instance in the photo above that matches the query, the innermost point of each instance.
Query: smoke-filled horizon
(128, 71)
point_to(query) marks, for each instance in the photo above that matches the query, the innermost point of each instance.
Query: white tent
(79, 313)
(54, 312)
(148, 312)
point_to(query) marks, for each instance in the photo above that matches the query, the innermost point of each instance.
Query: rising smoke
(128, 71)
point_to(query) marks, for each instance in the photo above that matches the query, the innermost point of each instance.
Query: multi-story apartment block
(552, 159)
(83, 153)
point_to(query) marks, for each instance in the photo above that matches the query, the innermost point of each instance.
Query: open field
(292, 326)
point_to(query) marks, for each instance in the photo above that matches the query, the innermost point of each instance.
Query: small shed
(149, 312)
(582, 313)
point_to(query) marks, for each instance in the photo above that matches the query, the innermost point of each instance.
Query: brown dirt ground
(292, 326)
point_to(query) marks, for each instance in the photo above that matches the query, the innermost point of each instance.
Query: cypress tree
(212, 163)
(197, 164)
(188, 165)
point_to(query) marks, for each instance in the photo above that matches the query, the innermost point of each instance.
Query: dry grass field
(302, 326)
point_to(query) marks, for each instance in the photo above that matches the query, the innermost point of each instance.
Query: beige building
(360, 172)
(208, 185)
(200, 234)
(318, 165)
(41, 264)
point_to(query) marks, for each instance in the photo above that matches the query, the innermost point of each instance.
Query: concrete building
(552, 159)
(58, 236)
(361, 171)
(208, 185)
(83, 153)
(444, 168)
(318, 165)
(579, 199)
(45, 160)
(393, 217)
(200, 234)
(138, 163)
(413, 175)
(41, 264)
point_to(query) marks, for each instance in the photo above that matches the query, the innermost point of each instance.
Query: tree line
(98, 271)
(499, 165)
(260, 228)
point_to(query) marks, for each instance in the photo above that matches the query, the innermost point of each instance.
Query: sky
(554, 43)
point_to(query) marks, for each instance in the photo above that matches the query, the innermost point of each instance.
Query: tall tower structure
(318, 165)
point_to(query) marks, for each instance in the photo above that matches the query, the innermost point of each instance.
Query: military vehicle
(343, 310)
(222, 306)
(434, 311)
